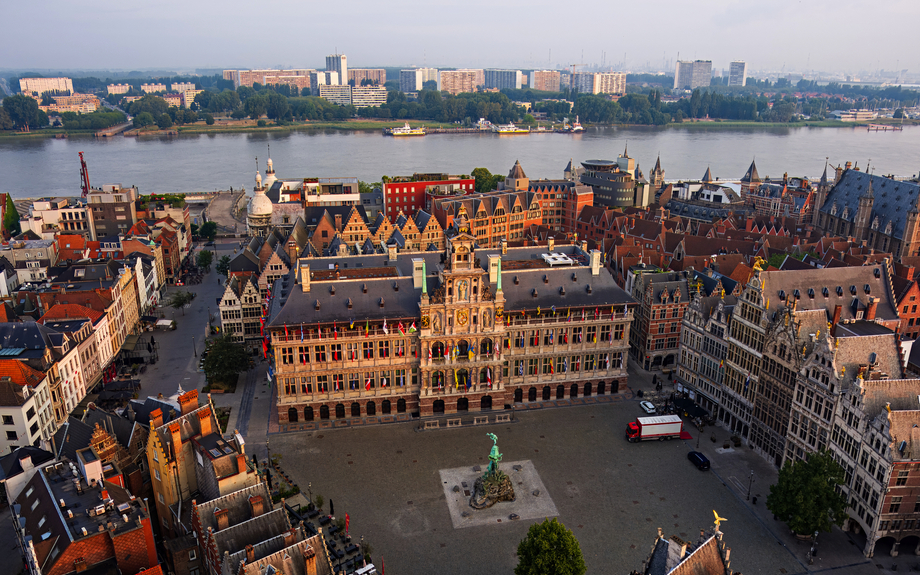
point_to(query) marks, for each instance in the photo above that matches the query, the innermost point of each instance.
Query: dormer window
(349, 303)
(332, 290)
(364, 288)
(381, 302)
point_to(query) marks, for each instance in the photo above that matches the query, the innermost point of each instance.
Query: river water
(42, 167)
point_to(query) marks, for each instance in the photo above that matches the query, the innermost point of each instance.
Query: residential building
(188, 97)
(703, 347)
(617, 183)
(80, 324)
(338, 63)
(48, 217)
(91, 524)
(655, 333)
(878, 210)
(582, 82)
(599, 82)
(241, 309)
(118, 88)
(690, 75)
(545, 80)
(263, 77)
(153, 88)
(320, 78)
(336, 94)
(368, 96)
(792, 198)
(111, 210)
(854, 115)
(410, 80)
(104, 312)
(25, 406)
(358, 77)
(77, 103)
(502, 79)
(137, 244)
(460, 81)
(9, 279)
(737, 73)
(173, 99)
(182, 86)
(39, 86)
(18, 467)
(30, 258)
(490, 327)
(410, 194)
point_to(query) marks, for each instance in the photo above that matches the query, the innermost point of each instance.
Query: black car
(698, 459)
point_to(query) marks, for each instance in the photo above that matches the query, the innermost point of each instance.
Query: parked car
(648, 407)
(698, 459)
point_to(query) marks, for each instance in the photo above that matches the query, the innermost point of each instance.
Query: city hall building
(428, 333)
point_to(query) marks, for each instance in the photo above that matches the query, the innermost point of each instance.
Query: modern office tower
(338, 63)
(692, 75)
(737, 74)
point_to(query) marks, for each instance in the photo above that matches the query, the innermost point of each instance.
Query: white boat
(406, 130)
(508, 129)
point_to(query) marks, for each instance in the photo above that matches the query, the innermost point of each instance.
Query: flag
(597, 312)
(335, 331)
(456, 383)
(402, 329)
(551, 337)
(538, 310)
(285, 331)
(521, 370)
(568, 316)
(347, 522)
(594, 339)
(608, 361)
(551, 370)
(402, 380)
(470, 354)
(383, 382)
(301, 333)
(352, 324)
(367, 329)
(721, 363)
(554, 310)
(335, 384)
(489, 377)
(747, 382)
(508, 343)
(440, 381)
(319, 333)
(385, 330)
(429, 353)
(469, 380)
(582, 315)
(565, 366)
(412, 328)
(367, 384)
(565, 336)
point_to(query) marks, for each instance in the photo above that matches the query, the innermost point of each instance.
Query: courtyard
(612, 494)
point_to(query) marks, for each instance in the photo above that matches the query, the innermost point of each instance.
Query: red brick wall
(93, 549)
(135, 549)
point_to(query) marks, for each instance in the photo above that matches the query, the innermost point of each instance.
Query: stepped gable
(905, 427)
(306, 557)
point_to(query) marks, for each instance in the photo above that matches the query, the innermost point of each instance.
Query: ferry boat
(574, 128)
(508, 129)
(406, 130)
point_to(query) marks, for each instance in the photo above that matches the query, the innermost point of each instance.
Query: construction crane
(572, 78)
(84, 176)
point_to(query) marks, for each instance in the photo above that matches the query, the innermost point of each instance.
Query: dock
(113, 130)
(884, 128)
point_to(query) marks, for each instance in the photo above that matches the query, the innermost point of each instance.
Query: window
(287, 355)
(383, 349)
(320, 352)
(156, 473)
(7, 420)
(160, 497)
(192, 554)
(902, 478)
(531, 367)
(368, 349)
(895, 505)
(11, 435)
(589, 363)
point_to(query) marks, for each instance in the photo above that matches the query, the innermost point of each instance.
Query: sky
(782, 35)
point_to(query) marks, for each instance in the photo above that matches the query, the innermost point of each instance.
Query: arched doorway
(371, 408)
(463, 377)
(908, 545)
(437, 350)
(400, 405)
(438, 406)
(546, 392)
(532, 394)
(324, 412)
(560, 392)
(519, 395)
(485, 403)
(587, 392)
(573, 391)
(601, 388)
(485, 347)
(463, 404)
(308, 414)
(615, 386)
(883, 547)
(386, 406)
(339, 411)
(292, 415)
(356, 409)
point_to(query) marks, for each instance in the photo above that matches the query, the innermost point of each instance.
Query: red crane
(84, 176)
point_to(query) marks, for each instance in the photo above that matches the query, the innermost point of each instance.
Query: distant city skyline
(796, 36)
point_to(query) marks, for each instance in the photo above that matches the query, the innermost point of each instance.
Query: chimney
(338, 222)
(222, 517)
(156, 418)
(504, 245)
(749, 225)
(79, 565)
(309, 561)
(418, 272)
(683, 550)
(290, 537)
(250, 554)
(871, 308)
(175, 432)
(595, 262)
(837, 310)
(550, 243)
(204, 421)
(494, 260)
(26, 462)
(241, 463)
(188, 401)
(391, 252)
(303, 270)
(256, 505)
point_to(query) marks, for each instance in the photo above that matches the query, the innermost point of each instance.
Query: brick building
(655, 334)
(409, 194)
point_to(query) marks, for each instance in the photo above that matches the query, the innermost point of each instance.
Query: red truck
(660, 427)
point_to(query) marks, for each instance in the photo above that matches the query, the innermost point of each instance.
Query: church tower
(657, 175)
(750, 183)
(864, 213)
(824, 188)
(259, 211)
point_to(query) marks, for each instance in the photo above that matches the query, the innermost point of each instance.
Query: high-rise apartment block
(460, 81)
(42, 85)
(692, 75)
(503, 79)
(545, 80)
(375, 76)
(599, 82)
(737, 74)
(182, 86)
(319, 78)
(151, 88)
(368, 96)
(118, 88)
(410, 80)
(335, 93)
(338, 63)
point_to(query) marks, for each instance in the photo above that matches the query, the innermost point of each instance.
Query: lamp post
(750, 484)
(194, 349)
(814, 548)
(310, 491)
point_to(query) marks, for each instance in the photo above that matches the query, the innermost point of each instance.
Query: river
(43, 167)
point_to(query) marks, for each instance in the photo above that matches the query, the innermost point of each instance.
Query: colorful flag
(402, 330)
(301, 333)
(335, 331)
(747, 382)
(521, 370)
(565, 366)
(352, 324)
(412, 328)
(440, 379)
(456, 383)
(285, 331)
(429, 353)
(383, 382)
(367, 384)
(554, 310)
(565, 336)
(367, 329)
(551, 370)
(597, 312)
(385, 330)
(347, 522)
(469, 380)
(568, 316)
(489, 377)
(551, 337)
(470, 354)
(538, 310)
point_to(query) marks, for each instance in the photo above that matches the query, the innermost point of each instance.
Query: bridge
(113, 130)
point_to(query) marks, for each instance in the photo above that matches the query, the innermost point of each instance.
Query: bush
(209, 119)
(261, 123)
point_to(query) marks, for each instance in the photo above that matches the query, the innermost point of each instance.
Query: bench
(480, 420)
(454, 422)
(432, 424)
(504, 418)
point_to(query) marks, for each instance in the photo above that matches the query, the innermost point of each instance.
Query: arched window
(292, 415)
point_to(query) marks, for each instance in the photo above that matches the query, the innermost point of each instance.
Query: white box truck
(660, 427)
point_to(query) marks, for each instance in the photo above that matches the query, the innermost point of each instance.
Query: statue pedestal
(491, 489)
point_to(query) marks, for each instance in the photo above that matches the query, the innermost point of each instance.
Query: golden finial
(803, 350)
(758, 264)
(718, 519)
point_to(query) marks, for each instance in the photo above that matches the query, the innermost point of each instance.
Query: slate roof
(905, 427)
(893, 200)
(246, 261)
(118, 426)
(10, 465)
(517, 171)
(71, 437)
(27, 335)
(751, 175)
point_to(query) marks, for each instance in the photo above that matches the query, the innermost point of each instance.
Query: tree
(549, 549)
(180, 299)
(205, 258)
(23, 111)
(208, 230)
(223, 265)
(225, 361)
(6, 123)
(805, 497)
(144, 119)
(164, 121)
(11, 219)
(209, 119)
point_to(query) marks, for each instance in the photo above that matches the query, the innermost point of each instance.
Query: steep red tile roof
(20, 373)
(70, 311)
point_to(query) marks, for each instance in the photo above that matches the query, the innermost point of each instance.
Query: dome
(260, 205)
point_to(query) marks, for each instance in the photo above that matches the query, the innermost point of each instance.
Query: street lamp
(750, 484)
(310, 491)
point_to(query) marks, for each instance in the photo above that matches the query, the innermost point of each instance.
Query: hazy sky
(798, 34)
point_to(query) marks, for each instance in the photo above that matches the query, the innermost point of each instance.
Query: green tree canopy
(23, 111)
(485, 181)
(205, 258)
(805, 497)
(144, 119)
(223, 265)
(164, 121)
(179, 300)
(550, 549)
(208, 230)
(225, 361)
(11, 219)
(156, 105)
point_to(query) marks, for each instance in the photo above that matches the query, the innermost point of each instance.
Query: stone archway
(519, 395)
(371, 408)
(573, 391)
(308, 413)
(485, 347)
(485, 403)
(601, 388)
(560, 392)
(292, 415)
(463, 404)
(532, 394)
(587, 391)
(339, 411)
(386, 407)
(400, 405)
(356, 409)
(324, 412)
(546, 392)
(438, 406)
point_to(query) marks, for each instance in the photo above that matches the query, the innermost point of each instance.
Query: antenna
(257, 163)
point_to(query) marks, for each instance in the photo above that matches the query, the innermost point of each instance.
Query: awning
(130, 343)
(164, 322)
